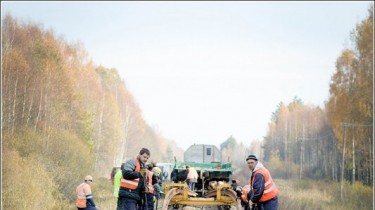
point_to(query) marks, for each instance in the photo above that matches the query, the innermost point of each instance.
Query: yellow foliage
(26, 184)
(279, 169)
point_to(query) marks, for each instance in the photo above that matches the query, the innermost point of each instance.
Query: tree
(230, 143)
(351, 101)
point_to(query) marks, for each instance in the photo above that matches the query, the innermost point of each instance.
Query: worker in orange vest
(132, 186)
(152, 188)
(263, 191)
(85, 200)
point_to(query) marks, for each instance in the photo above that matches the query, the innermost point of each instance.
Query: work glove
(238, 192)
(142, 172)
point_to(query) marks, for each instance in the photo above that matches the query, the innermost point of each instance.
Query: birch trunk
(302, 151)
(371, 162)
(24, 101)
(353, 154)
(40, 107)
(343, 165)
(97, 143)
(126, 133)
(14, 105)
(286, 144)
(29, 112)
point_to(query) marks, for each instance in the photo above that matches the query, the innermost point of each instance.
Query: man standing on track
(263, 191)
(132, 181)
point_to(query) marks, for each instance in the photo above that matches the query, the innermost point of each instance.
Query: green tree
(230, 143)
(170, 155)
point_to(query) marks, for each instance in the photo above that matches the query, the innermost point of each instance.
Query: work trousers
(149, 202)
(191, 185)
(127, 203)
(268, 205)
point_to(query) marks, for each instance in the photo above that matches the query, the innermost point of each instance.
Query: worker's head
(149, 166)
(144, 155)
(235, 181)
(88, 179)
(251, 160)
(122, 166)
(154, 163)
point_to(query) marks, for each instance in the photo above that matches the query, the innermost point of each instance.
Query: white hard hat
(156, 170)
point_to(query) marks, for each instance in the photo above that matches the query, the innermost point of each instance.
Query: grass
(293, 194)
(323, 195)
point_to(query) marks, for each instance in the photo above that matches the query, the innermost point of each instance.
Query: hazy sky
(203, 71)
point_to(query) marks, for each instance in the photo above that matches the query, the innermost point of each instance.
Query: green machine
(213, 184)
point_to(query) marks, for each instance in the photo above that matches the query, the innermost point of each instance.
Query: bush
(26, 183)
(62, 157)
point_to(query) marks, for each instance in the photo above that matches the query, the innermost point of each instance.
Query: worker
(85, 200)
(157, 172)
(154, 163)
(263, 191)
(235, 183)
(192, 177)
(151, 182)
(187, 178)
(113, 173)
(132, 184)
(116, 183)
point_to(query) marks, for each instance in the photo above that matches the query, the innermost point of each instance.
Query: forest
(64, 117)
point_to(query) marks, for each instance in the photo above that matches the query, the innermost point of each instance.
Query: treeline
(306, 141)
(63, 117)
(336, 141)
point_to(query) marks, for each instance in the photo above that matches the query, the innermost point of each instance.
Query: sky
(202, 71)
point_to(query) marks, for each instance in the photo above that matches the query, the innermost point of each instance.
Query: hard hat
(156, 171)
(88, 178)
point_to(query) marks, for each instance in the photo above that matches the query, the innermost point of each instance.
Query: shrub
(26, 183)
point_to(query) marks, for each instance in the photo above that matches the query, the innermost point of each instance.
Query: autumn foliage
(63, 117)
(334, 143)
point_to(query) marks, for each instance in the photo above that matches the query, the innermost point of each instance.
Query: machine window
(208, 151)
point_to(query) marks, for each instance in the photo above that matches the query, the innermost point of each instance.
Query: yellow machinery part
(179, 194)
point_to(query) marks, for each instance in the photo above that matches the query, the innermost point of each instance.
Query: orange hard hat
(88, 178)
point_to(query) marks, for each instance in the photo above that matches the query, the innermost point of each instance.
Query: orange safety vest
(82, 190)
(149, 182)
(131, 183)
(245, 191)
(270, 189)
